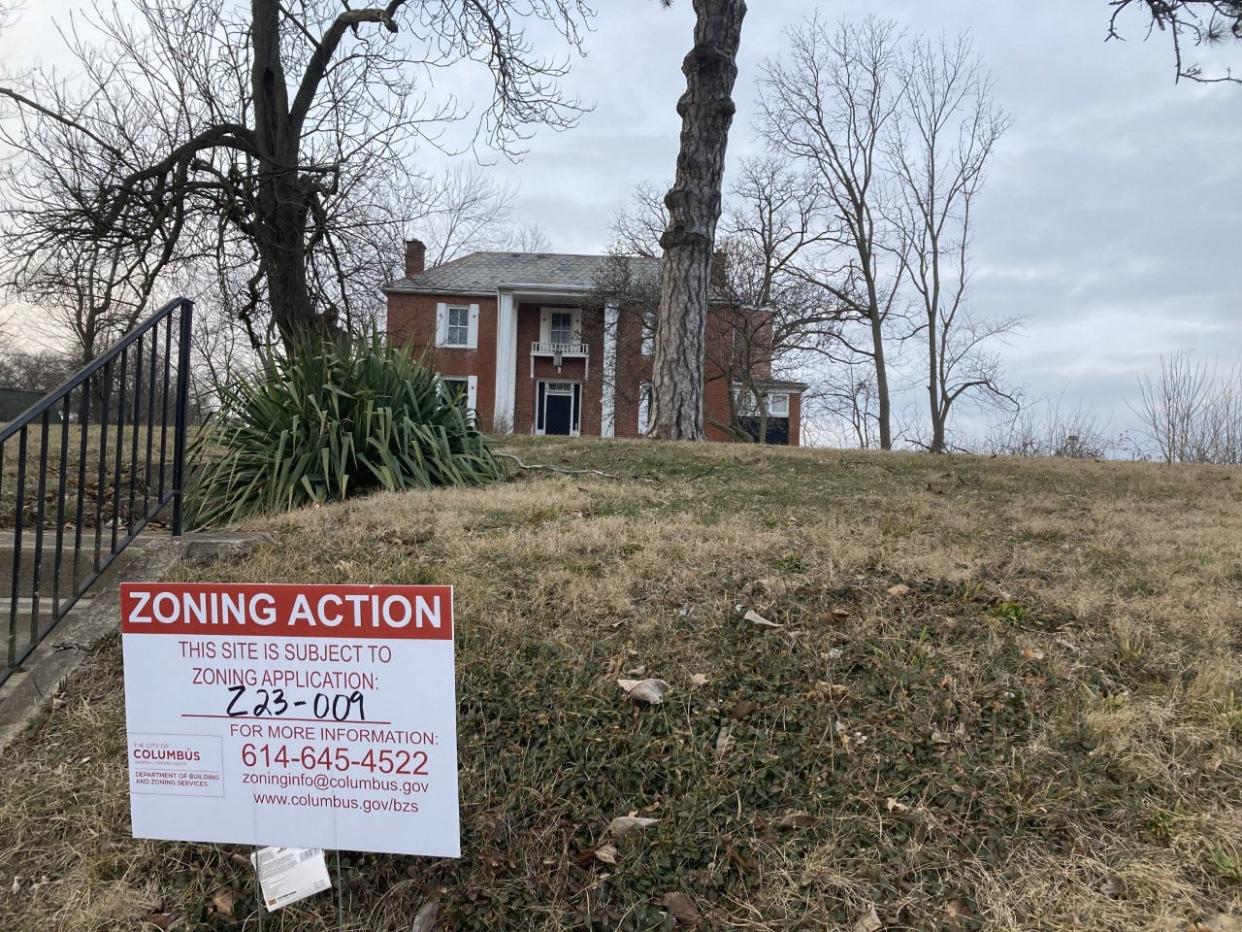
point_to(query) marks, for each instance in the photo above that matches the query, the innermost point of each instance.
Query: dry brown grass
(1044, 733)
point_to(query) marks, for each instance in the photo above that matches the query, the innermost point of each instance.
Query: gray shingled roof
(484, 272)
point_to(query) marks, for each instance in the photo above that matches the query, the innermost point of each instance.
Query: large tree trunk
(693, 202)
(283, 202)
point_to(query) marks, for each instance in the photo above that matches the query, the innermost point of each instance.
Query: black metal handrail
(121, 387)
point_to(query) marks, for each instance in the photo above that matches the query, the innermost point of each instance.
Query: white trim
(441, 324)
(644, 408)
(608, 397)
(506, 361)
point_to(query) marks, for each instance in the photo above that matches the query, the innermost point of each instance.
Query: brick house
(534, 345)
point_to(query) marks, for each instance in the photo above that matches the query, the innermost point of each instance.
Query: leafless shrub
(1191, 411)
(1049, 429)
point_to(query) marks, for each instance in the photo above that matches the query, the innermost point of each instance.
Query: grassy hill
(1002, 695)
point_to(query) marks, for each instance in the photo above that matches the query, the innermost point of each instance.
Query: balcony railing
(560, 349)
(559, 353)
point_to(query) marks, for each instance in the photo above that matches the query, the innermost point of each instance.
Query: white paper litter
(287, 875)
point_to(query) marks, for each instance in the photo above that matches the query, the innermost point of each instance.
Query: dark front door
(558, 414)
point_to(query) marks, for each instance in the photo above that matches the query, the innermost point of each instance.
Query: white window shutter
(545, 326)
(472, 393)
(472, 342)
(577, 324)
(441, 324)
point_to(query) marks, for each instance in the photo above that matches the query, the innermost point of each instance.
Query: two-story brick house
(536, 346)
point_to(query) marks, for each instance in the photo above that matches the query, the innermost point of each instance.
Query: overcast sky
(1110, 221)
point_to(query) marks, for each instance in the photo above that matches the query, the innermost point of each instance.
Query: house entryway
(558, 406)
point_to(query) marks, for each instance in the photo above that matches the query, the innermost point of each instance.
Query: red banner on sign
(286, 610)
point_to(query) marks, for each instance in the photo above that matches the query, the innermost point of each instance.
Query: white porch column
(608, 396)
(506, 361)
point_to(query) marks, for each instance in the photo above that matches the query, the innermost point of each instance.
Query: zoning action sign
(295, 716)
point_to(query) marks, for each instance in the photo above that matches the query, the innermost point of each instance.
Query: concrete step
(68, 573)
(16, 630)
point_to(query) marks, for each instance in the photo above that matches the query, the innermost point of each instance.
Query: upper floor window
(777, 403)
(561, 331)
(458, 329)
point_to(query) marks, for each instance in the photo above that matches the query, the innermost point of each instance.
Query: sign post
(295, 716)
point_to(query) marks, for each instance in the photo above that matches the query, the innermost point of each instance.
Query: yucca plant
(331, 420)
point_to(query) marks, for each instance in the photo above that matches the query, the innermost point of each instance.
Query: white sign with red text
(293, 716)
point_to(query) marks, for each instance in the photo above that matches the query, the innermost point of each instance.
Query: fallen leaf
(623, 825)
(868, 922)
(741, 709)
(724, 741)
(796, 820)
(425, 918)
(756, 619)
(898, 590)
(699, 679)
(160, 920)
(1114, 888)
(681, 908)
(895, 805)
(1032, 653)
(607, 854)
(651, 691)
(958, 909)
(823, 691)
(224, 900)
(839, 614)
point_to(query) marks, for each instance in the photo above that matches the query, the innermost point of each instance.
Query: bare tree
(694, 204)
(846, 402)
(638, 228)
(1192, 410)
(466, 210)
(262, 130)
(938, 145)
(526, 237)
(828, 103)
(1188, 24)
(779, 319)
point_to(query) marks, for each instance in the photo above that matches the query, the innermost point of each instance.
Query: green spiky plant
(331, 420)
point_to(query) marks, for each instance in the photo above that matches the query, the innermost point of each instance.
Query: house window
(458, 329)
(777, 403)
(458, 390)
(561, 331)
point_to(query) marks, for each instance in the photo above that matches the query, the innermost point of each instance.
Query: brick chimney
(415, 257)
